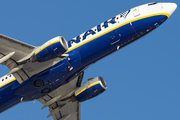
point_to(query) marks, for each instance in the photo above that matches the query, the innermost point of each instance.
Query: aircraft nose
(169, 7)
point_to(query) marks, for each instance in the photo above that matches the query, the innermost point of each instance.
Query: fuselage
(86, 49)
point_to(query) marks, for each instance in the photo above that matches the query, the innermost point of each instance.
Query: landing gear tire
(38, 83)
(46, 90)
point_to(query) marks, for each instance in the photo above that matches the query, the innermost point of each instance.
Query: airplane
(53, 72)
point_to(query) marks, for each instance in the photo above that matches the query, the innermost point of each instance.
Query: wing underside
(65, 110)
(9, 45)
(61, 106)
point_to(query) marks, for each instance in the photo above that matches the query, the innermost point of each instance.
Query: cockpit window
(152, 3)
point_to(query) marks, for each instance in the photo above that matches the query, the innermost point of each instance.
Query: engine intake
(90, 89)
(51, 49)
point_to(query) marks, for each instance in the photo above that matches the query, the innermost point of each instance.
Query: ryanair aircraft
(53, 72)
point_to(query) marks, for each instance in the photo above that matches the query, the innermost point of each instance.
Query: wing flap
(67, 110)
(11, 51)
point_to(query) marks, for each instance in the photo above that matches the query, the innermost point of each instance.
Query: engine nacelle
(51, 49)
(90, 89)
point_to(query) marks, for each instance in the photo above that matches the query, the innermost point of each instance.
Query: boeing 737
(53, 72)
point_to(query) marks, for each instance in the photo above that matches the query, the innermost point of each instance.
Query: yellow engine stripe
(46, 46)
(166, 14)
(8, 82)
(87, 88)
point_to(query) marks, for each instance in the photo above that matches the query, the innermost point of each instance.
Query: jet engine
(90, 89)
(51, 49)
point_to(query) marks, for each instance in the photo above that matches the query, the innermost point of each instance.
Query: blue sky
(143, 78)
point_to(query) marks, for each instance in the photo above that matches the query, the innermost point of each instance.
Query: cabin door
(136, 11)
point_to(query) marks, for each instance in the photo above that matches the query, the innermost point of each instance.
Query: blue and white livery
(53, 72)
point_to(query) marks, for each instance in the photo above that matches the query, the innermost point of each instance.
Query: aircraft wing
(11, 51)
(65, 111)
(61, 106)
